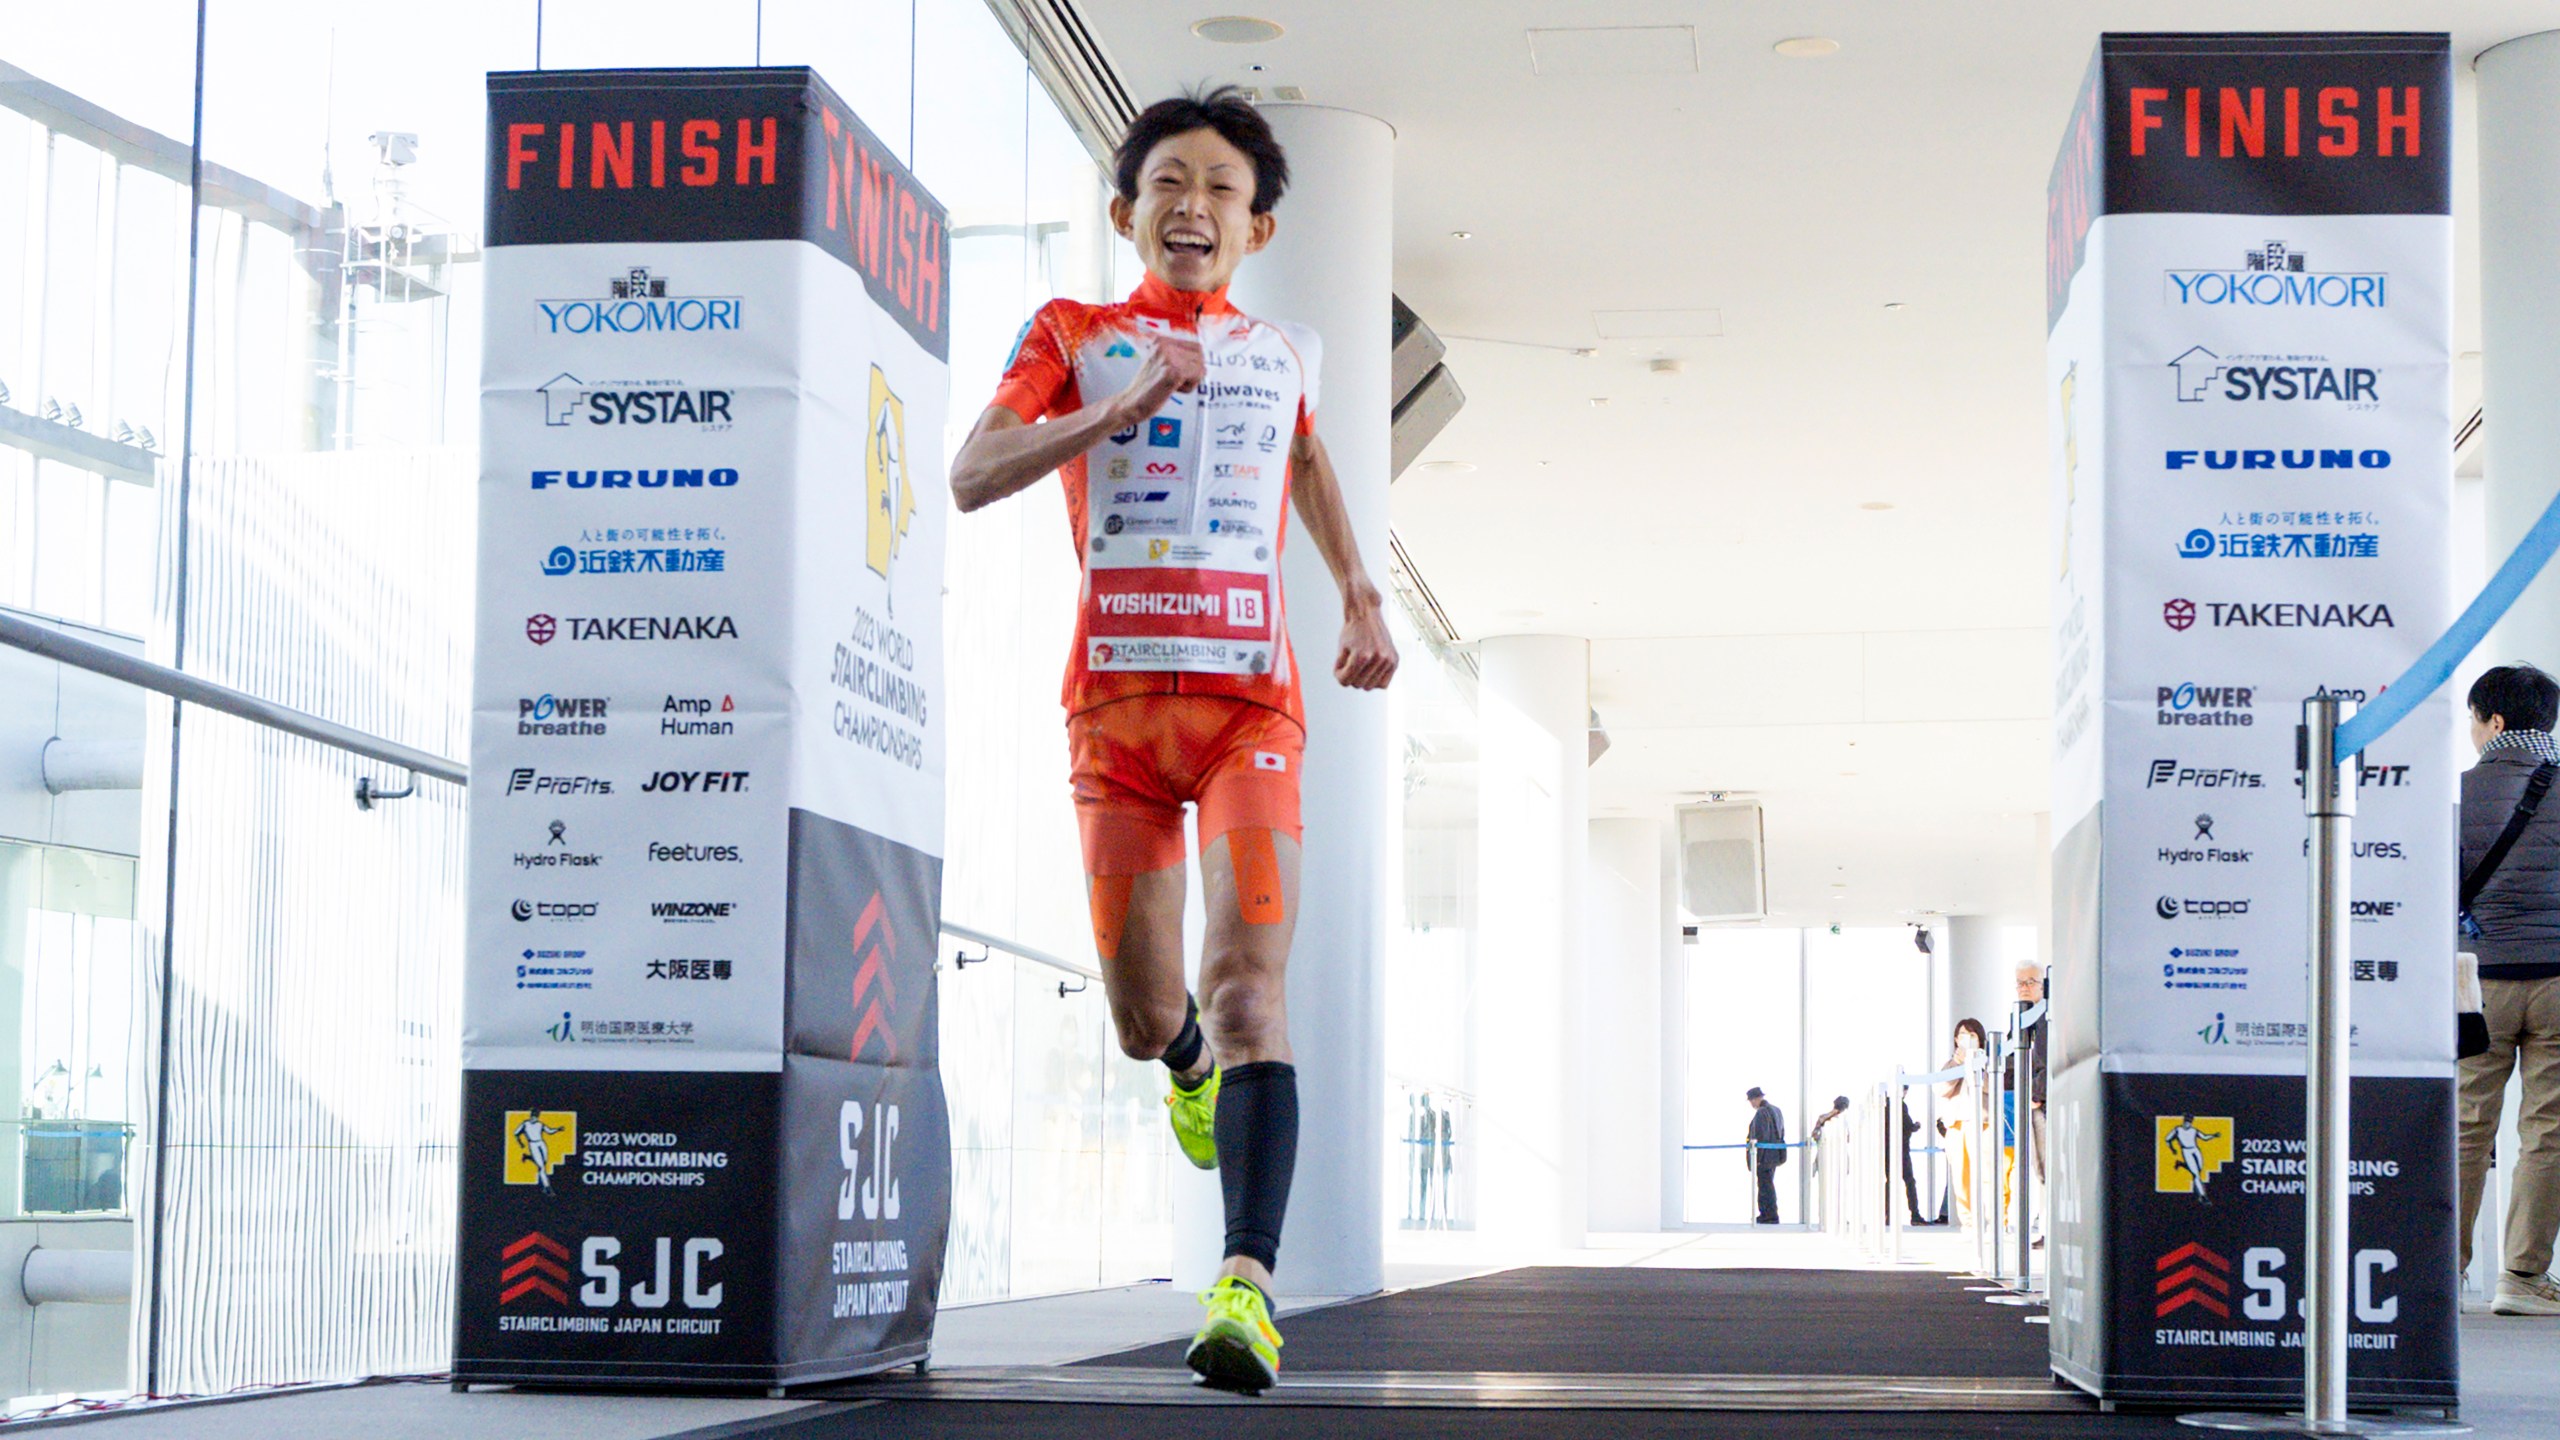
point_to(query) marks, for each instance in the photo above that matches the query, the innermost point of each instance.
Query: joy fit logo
(538, 1143)
(2202, 375)
(2186, 1152)
(2191, 1275)
(696, 782)
(875, 949)
(891, 497)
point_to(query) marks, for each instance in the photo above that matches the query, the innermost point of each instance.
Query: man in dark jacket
(1768, 1142)
(2518, 918)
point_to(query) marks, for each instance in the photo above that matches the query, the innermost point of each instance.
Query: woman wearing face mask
(1970, 1040)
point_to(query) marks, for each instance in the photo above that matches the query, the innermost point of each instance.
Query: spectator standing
(2517, 916)
(1970, 1040)
(1766, 1150)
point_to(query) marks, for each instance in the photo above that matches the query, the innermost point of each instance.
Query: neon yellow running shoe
(1195, 1119)
(1238, 1349)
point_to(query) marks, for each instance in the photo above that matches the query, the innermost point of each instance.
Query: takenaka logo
(535, 1265)
(638, 303)
(875, 949)
(2191, 1275)
(2203, 375)
(543, 629)
(2178, 614)
(525, 780)
(2182, 614)
(2172, 907)
(539, 1142)
(2187, 1150)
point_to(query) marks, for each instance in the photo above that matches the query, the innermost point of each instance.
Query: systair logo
(2202, 376)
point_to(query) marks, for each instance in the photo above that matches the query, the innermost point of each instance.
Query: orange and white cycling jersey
(1178, 521)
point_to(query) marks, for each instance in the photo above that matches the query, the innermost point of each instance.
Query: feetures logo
(2191, 1275)
(638, 303)
(535, 1265)
(538, 1143)
(875, 949)
(2189, 1149)
(884, 466)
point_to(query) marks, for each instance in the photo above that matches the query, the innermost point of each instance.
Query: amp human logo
(539, 1142)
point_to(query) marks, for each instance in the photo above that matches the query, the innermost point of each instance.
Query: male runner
(2189, 1142)
(1182, 429)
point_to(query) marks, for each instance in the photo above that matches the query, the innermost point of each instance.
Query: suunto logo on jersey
(2278, 459)
(637, 303)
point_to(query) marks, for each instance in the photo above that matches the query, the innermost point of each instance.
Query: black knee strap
(1184, 1052)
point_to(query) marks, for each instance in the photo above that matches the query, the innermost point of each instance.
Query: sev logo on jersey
(892, 499)
(2187, 1150)
(538, 1142)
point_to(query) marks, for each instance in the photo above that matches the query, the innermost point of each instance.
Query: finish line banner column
(703, 1133)
(2249, 296)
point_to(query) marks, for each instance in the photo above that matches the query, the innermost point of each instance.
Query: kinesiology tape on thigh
(1255, 856)
(1108, 896)
(1257, 1155)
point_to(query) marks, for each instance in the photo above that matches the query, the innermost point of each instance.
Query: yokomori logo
(538, 1143)
(2187, 703)
(2182, 614)
(568, 400)
(636, 560)
(2173, 907)
(890, 494)
(561, 715)
(2204, 544)
(696, 782)
(2187, 1150)
(687, 853)
(691, 912)
(525, 780)
(692, 716)
(693, 477)
(2172, 774)
(2202, 375)
(2191, 1275)
(543, 629)
(639, 303)
(2275, 276)
(2280, 458)
(525, 910)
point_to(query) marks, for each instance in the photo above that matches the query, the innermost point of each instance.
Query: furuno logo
(2171, 907)
(2191, 1275)
(690, 782)
(683, 853)
(2278, 615)
(2201, 544)
(538, 1143)
(566, 400)
(2311, 459)
(2203, 375)
(2187, 703)
(2278, 277)
(2175, 775)
(2187, 1150)
(875, 949)
(535, 1265)
(691, 912)
(553, 910)
(637, 303)
(691, 716)
(525, 780)
(542, 629)
(687, 478)
(555, 715)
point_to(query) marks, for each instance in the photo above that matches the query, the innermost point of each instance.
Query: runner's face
(1193, 220)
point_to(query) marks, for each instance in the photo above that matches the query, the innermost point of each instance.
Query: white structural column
(1328, 267)
(1622, 896)
(1533, 808)
(2520, 320)
(1673, 1030)
(1982, 981)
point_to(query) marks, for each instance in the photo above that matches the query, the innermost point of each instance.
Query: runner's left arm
(1367, 660)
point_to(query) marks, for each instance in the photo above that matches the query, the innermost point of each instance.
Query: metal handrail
(20, 633)
(998, 942)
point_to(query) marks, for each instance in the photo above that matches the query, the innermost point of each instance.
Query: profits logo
(2191, 1275)
(891, 496)
(524, 779)
(2188, 1149)
(875, 948)
(2197, 777)
(538, 1143)
(535, 1264)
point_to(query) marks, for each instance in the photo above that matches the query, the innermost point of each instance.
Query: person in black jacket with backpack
(2510, 880)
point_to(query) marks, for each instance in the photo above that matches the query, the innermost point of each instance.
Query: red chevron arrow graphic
(876, 952)
(2193, 1280)
(2193, 1250)
(537, 1261)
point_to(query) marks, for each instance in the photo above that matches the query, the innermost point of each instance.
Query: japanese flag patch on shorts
(1270, 760)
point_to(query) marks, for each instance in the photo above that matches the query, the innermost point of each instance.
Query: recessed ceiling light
(1894, 307)
(1599, 400)
(1449, 467)
(1876, 505)
(1462, 234)
(1239, 30)
(1807, 47)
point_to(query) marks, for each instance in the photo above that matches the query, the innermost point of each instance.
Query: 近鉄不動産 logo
(2275, 276)
(639, 303)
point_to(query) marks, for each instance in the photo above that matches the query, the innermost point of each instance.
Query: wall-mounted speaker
(1723, 860)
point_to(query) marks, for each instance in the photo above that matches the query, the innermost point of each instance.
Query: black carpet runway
(1555, 1354)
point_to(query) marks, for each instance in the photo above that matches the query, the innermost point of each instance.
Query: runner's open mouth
(1188, 242)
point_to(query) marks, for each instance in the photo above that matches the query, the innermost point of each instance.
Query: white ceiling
(1879, 679)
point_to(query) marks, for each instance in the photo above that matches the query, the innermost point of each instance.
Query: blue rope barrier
(2433, 668)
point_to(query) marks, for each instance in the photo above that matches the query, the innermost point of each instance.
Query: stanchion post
(2329, 799)
(1892, 1171)
(2021, 1131)
(1993, 1125)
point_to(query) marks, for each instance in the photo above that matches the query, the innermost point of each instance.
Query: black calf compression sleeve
(1184, 1052)
(1257, 1154)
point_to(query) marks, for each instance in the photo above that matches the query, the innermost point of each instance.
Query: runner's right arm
(1006, 454)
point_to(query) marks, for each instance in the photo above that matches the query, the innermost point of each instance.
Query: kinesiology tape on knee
(1257, 1155)
(1187, 1044)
